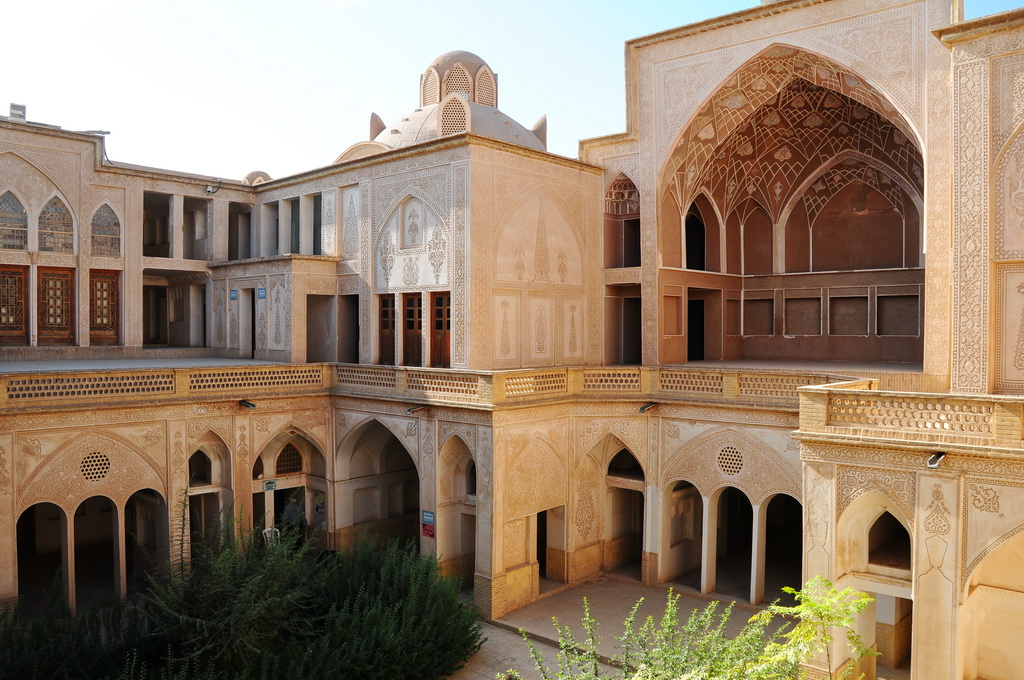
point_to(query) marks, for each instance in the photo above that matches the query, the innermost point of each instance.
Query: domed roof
(467, 59)
(458, 93)
(486, 121)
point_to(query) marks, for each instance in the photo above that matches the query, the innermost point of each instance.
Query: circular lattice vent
(730, 460)
(95, 466)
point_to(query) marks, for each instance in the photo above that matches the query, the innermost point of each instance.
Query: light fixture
(247, 404)
(648, 406)
(413, 409)
(210, 188)
(935, 459)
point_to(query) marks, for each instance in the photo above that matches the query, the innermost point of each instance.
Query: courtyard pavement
(610, 599)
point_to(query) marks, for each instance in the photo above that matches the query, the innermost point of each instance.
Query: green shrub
(252, 610)
(699, 649)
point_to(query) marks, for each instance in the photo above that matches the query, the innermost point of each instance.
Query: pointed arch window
(56, 228)
(453, 117)
(13, 223)
(106, 232)
(289, 461)
(457, 80)
(431, 88)
(486, 88)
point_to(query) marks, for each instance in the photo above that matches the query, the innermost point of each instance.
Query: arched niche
(295, 492)
(854, 535)
(377, 486)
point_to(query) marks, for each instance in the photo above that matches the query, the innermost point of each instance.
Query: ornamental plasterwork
(898, 487)
(1010, 327)
(970, 235)
(1009, 198)
(199, 426)
(763, 474)
(630, 432)
(60, 478)
(523, 495)
(465, 431)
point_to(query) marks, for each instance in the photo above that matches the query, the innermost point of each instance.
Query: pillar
(709, 544)
(757, 551)
(654, 511)
(120, 569)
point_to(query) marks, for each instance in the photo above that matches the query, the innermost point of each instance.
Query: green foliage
(251, 610)
(699, 648)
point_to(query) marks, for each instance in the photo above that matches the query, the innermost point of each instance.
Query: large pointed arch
(754, 82)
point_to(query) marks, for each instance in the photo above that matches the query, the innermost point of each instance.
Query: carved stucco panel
(970, 233)
(992, 514)
(63, 480)
(763, 472)
(897, 486)
(523, 495)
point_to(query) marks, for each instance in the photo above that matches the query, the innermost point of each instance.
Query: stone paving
(610, 603)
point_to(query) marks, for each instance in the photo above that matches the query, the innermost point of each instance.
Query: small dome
(449, 59)
(459, 71)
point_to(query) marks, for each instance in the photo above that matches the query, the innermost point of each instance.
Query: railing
(130, 385)
(856, 409)
(760, 387)
(632, 382)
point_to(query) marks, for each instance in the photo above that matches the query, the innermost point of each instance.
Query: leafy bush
(249, 610)
(699, 648)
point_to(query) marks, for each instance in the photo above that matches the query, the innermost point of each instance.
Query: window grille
(457, 80)
(55, 302)
(56, 229)
(289, 461)
(13, 223)
(486, 91)
(106, 232)
(12, 300)
(431, 89)
(103, 301)
(453, 117)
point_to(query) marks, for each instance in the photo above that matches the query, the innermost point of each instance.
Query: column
(120, 569)
(176, 226)
(652, 538)
(284, 226)
(69, 557)
(709, 546)
(757, 552)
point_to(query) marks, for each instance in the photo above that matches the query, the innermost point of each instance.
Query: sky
(222, 87)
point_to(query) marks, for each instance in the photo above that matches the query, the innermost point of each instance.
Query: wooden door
(56, 306)
(412, 340)
(104, 309)
(13, 306)
(441, 326)
(387, 330)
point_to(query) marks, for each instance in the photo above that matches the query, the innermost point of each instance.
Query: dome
(422, 125)
(459, 71)
(449, 59)
(458, 93)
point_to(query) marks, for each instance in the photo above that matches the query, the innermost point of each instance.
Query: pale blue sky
(223, 87)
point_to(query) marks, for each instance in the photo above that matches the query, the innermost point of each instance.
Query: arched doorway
(290, 487)
(97, 557)
(378, 487)
(209, 487)
(42, 536)
(733, 540)
(456, 511)
(993, 614)
(624, 516)
(783, 548)
(683, 537)
(146, 537)
(874, 545)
